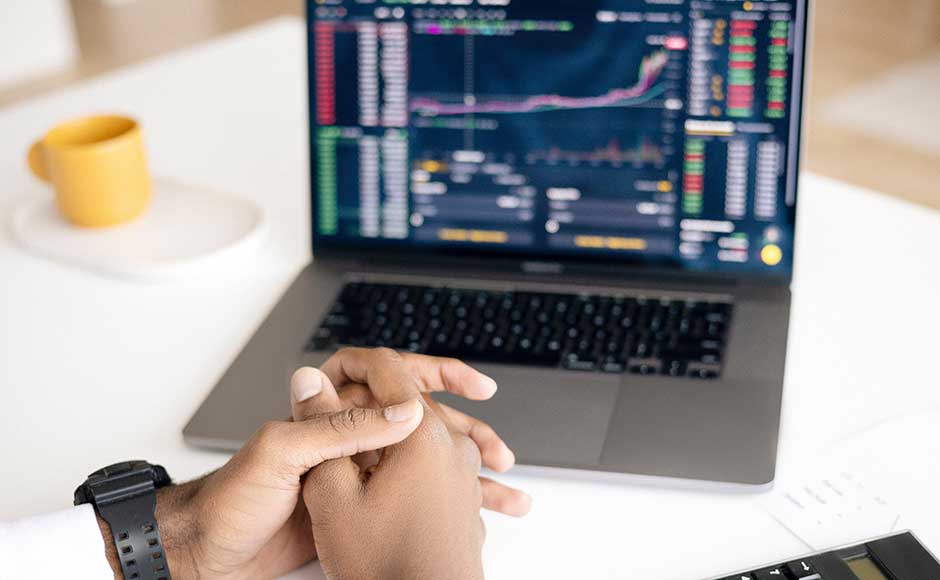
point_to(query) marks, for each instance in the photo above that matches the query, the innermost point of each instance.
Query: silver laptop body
(656, 265)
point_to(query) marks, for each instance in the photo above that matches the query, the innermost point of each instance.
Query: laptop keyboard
(610, 334)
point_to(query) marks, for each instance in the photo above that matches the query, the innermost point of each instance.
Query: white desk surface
(78, 351)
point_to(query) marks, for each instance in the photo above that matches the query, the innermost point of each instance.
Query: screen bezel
(328, 247)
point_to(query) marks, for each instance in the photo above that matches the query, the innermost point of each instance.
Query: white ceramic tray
(185, 232)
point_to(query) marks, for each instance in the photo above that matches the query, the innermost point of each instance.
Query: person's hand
(246, 520)
(349, 370)
(415, 514)
(242, 521)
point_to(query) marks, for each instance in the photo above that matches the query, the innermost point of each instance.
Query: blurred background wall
(36, 39)
(874, 99)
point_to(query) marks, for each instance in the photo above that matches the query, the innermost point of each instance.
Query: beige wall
(855, 41)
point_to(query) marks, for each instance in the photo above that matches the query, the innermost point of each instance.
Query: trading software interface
(659, 130)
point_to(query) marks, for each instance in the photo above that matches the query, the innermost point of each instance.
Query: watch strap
(136, 536)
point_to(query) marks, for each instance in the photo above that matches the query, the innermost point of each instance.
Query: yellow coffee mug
(98, 168)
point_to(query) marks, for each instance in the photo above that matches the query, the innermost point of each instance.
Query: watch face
(123, 468)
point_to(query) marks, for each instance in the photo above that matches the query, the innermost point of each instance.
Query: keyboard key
(576, 362)
(615, 367)
(650, 368)
(703, 373)
(322, 340)
(674, 368)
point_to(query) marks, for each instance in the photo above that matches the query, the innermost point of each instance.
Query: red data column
(325, 55)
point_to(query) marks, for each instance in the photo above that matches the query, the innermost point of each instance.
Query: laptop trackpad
(547, 418)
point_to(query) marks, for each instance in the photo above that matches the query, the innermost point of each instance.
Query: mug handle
(36, 162)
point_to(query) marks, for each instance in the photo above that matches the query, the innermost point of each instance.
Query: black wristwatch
(124, 495)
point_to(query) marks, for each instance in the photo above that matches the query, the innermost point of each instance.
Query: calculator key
(801, 569)
(771, 574)
(739, 577)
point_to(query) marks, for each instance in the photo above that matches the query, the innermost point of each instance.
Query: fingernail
(491, 383)
(306, 384)
(401, 413)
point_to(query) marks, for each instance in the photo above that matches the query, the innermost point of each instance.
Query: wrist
(179, 529)
(179, 532)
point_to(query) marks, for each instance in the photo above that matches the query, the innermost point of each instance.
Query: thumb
(297, 447)
(351, 431)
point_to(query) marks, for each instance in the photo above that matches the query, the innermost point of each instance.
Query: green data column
(327, 210)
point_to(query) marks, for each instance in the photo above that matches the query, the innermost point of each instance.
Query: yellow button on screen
(771, 255)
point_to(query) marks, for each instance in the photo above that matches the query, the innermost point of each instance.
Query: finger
(435, 374)
(294, 448)
(356, 396)
(504, 499)
(312, 394)
(496, 454)
(360, 396)
(381, 369)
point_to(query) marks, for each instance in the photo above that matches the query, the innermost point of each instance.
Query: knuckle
(268, 433)
(503, 504)
(435, 432)
(470, 454)
(345, 352)
(265, 440)
(385, 354)
(433, 440)
(356, 417)
(455, 362)
(355, 396)
(349, 420)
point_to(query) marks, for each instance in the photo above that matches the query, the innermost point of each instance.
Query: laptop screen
(662, 132)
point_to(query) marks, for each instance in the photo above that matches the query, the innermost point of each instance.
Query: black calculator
(896, 557)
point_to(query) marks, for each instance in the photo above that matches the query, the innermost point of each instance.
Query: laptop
(591, 201)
